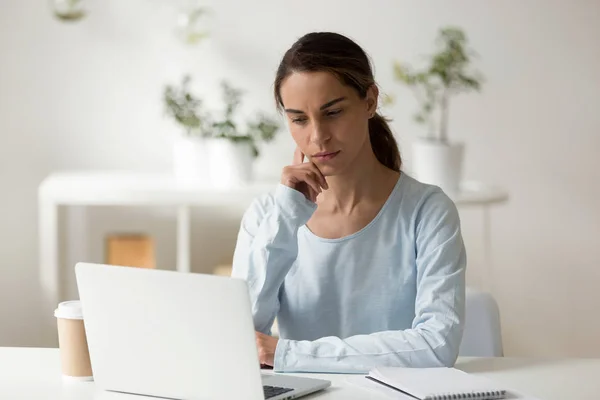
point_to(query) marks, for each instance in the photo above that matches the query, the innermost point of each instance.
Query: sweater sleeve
(267, 246)
(436, 332)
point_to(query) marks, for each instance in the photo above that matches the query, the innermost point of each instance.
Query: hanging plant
(68, 10)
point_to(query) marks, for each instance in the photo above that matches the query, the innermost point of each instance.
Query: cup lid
(69, 310)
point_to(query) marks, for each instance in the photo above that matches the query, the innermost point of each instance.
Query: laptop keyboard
(272, 391)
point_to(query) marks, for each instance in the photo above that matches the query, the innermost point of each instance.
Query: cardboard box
(131, 250)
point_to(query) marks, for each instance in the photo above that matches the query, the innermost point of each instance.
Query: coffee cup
(72, 342)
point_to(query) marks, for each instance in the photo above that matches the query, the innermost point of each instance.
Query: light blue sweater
(391, 294)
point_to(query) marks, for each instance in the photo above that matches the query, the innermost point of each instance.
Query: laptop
(176, 335)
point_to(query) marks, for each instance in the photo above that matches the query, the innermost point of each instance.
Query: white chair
(482, 336)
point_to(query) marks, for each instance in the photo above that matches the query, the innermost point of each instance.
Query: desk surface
(32, 374)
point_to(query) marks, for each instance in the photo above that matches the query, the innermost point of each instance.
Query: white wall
(87, 96)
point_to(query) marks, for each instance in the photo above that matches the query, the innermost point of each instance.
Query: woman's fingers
(320, 176)
(313, 181)
(304, 176)
(298, 157)
(312, 195)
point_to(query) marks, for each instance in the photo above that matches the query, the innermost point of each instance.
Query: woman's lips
(325, 156)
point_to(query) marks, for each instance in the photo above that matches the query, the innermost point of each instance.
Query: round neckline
(366, 227)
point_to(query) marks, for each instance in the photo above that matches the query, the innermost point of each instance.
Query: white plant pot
(231, 163)
(190, 160)
(438, 164)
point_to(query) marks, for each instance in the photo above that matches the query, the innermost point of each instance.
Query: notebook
(437, 383)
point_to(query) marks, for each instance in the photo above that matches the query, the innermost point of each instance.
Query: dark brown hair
(337, 54)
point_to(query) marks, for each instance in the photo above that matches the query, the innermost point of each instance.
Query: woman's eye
(299, 121)
(333, 113)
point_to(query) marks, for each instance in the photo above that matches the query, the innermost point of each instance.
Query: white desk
(139, 189)
(34, 374)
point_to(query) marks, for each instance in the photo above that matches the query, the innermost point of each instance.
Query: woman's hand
(266, 348)
(304, 177)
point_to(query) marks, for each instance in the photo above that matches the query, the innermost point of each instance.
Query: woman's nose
(320, 134)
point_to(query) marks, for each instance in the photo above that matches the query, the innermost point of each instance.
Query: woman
(363, 265)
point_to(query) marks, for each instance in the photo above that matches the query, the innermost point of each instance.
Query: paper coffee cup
(72, 342)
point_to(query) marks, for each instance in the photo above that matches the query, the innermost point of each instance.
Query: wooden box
(130, 250)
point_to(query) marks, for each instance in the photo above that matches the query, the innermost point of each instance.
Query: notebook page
(374, 390)
(429, 382)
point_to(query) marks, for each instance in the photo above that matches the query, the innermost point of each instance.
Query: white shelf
(477, 193)
(126, 188)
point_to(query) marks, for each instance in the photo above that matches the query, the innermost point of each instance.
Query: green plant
(446, 75)
(68, 10)
(192, 27)
(187, 110)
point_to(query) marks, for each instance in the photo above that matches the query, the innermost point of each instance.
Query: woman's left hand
(266, 348)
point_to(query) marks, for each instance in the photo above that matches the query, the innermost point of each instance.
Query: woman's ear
(372, 96)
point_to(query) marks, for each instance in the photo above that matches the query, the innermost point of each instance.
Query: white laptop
(178, 336)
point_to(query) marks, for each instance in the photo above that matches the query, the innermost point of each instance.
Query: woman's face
(328, 120)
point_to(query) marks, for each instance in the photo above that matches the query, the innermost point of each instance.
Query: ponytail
(383, 143)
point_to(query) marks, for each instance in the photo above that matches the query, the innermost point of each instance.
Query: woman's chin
(328, 170)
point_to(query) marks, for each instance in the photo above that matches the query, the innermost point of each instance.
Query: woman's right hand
(304, 177)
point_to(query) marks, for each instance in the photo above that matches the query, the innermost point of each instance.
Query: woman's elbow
(445, 351)
(445, 355)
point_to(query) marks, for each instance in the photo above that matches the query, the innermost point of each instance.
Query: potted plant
(190, 161)
(214, 147)
(437, 160)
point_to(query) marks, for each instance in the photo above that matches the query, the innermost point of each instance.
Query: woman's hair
(337, 54)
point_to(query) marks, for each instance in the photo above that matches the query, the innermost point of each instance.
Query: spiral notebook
(437, 383)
